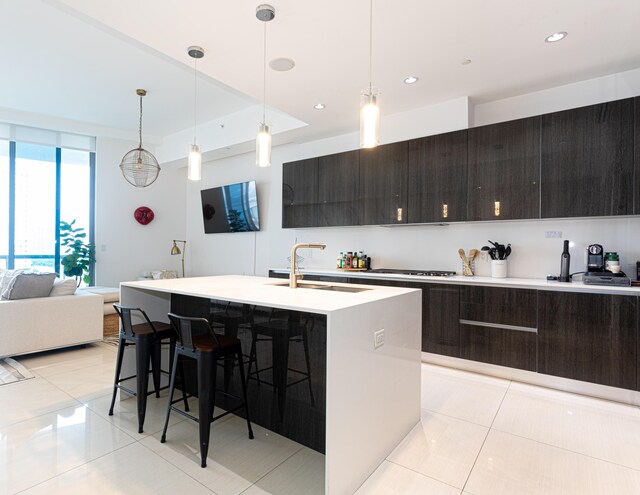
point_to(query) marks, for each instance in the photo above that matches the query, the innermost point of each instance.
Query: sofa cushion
(27, 285)
(63, 287)
(6, 276)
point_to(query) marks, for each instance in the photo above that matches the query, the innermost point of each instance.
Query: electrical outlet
(378, 338)
(553, 234)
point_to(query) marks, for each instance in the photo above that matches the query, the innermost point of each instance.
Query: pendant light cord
(195, 98)
(370, 43)
(140, 124)
(264, 75)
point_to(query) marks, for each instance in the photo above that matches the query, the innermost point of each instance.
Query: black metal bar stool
(198, 341)
(280, 328)
(147, 338)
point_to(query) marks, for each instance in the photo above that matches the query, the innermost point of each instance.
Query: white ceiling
(83, 59)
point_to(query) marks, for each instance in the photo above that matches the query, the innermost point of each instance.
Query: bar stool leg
(156, 365)
(205, 394)
(143, 356)
(244, 393)
(172, 385)
(118, 369)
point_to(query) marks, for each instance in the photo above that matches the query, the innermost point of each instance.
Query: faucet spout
(293, 278)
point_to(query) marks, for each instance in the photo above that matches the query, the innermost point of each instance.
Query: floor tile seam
(475, 461)
(431, 411)
(276, 467)
(506, 392)
(43, 414)
(79, 370)
(421, 474)
(174, 465)
(567, 450)
(75, 467)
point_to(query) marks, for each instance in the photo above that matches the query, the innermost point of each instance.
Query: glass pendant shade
(263, 146)
(194, 172)
(369, 120)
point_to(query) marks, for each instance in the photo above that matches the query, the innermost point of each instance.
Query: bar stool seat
(198, 341)
(147, 337)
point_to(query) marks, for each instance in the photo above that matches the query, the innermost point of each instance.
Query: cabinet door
(588, 337)
(504, 171)
(438, 178)
(636, 161)
(587, 161)
(440, 326)
(339, 189)
(499, 326)
(300, 193)
(383, 184)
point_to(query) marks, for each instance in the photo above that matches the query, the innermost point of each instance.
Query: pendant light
(139, 167)
(369, 109)
(264, 13)
(194, 171)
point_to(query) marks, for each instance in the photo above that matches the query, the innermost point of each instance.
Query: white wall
(124, 248)
(420, 247)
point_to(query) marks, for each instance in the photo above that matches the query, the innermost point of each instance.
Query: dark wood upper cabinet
(339, 189)
(504, 171)
(300, 193)
(587, 161)
(636, 161)
(383, 184)
(589, 337)
(438, 178)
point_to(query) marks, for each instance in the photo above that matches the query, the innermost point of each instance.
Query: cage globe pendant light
(194, 171)
(264, 13)
(139, 167)
(369, 99)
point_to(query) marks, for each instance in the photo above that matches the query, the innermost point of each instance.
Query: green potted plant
(78, 254)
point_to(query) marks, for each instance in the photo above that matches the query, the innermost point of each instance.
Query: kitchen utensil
(466, 266)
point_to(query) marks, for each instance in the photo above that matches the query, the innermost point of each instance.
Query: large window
(40, 185)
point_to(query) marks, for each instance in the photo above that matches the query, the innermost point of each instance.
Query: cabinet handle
(445, 210)
(496, 208)
(499, 325)
(399, 215)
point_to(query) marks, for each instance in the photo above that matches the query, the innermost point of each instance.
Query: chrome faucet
(293, 278)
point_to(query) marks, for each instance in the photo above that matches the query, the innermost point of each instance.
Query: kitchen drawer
(516, 307)
(504, 346)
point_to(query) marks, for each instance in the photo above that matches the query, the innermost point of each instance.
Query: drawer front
(514, 347)
(502, 306)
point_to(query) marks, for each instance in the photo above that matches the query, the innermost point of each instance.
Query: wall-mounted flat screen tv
(231, 208)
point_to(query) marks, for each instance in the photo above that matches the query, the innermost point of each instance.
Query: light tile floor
(477, 435)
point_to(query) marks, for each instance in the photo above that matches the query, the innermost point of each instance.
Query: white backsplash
(436, 247)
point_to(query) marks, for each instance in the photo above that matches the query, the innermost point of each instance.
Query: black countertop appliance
(595, 258)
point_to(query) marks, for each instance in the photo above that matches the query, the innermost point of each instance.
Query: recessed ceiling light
(552, 38)
(411, 80)
(319, 106)
(282, 64)
(466, 61)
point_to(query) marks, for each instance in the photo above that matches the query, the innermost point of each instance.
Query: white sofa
(43, 323)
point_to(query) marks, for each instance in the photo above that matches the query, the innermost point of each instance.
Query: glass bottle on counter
(354, 260)
(349, 258)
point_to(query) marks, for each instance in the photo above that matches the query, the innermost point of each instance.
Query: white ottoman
(110, 295)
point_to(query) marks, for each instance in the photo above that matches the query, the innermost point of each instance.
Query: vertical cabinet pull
(399, 215)
(496, 208)
(445, 210)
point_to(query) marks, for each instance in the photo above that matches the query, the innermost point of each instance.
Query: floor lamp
(176, 250)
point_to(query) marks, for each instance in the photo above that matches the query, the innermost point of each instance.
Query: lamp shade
(194, 171)
(369, 120)
(263, 146)
(139, 167)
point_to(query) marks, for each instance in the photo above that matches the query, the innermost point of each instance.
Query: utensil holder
(498, 268)
(465, 270)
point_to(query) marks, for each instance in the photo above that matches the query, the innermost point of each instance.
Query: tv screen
(232, 208)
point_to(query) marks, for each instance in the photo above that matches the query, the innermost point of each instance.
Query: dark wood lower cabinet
(504, 347)
(589, 337)
(440, 319)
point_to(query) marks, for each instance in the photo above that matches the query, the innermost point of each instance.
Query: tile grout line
(417, 472)
(276, 467)
(486, 436)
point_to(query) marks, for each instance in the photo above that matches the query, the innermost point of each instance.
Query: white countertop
(516, 283)
(264, 291)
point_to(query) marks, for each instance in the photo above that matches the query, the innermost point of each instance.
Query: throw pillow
(66, 287)
(27, 285)
(7, 277)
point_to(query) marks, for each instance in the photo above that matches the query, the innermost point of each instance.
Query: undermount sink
(335, 288)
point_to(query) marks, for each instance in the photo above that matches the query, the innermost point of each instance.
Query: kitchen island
(350, 398)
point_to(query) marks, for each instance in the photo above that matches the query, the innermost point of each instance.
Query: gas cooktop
(423, 273)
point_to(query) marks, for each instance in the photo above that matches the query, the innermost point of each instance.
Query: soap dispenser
(565, 263)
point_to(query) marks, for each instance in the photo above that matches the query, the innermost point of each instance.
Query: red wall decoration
(143, 215)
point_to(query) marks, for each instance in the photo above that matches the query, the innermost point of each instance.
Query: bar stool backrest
(189, 327)
(124, 312)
